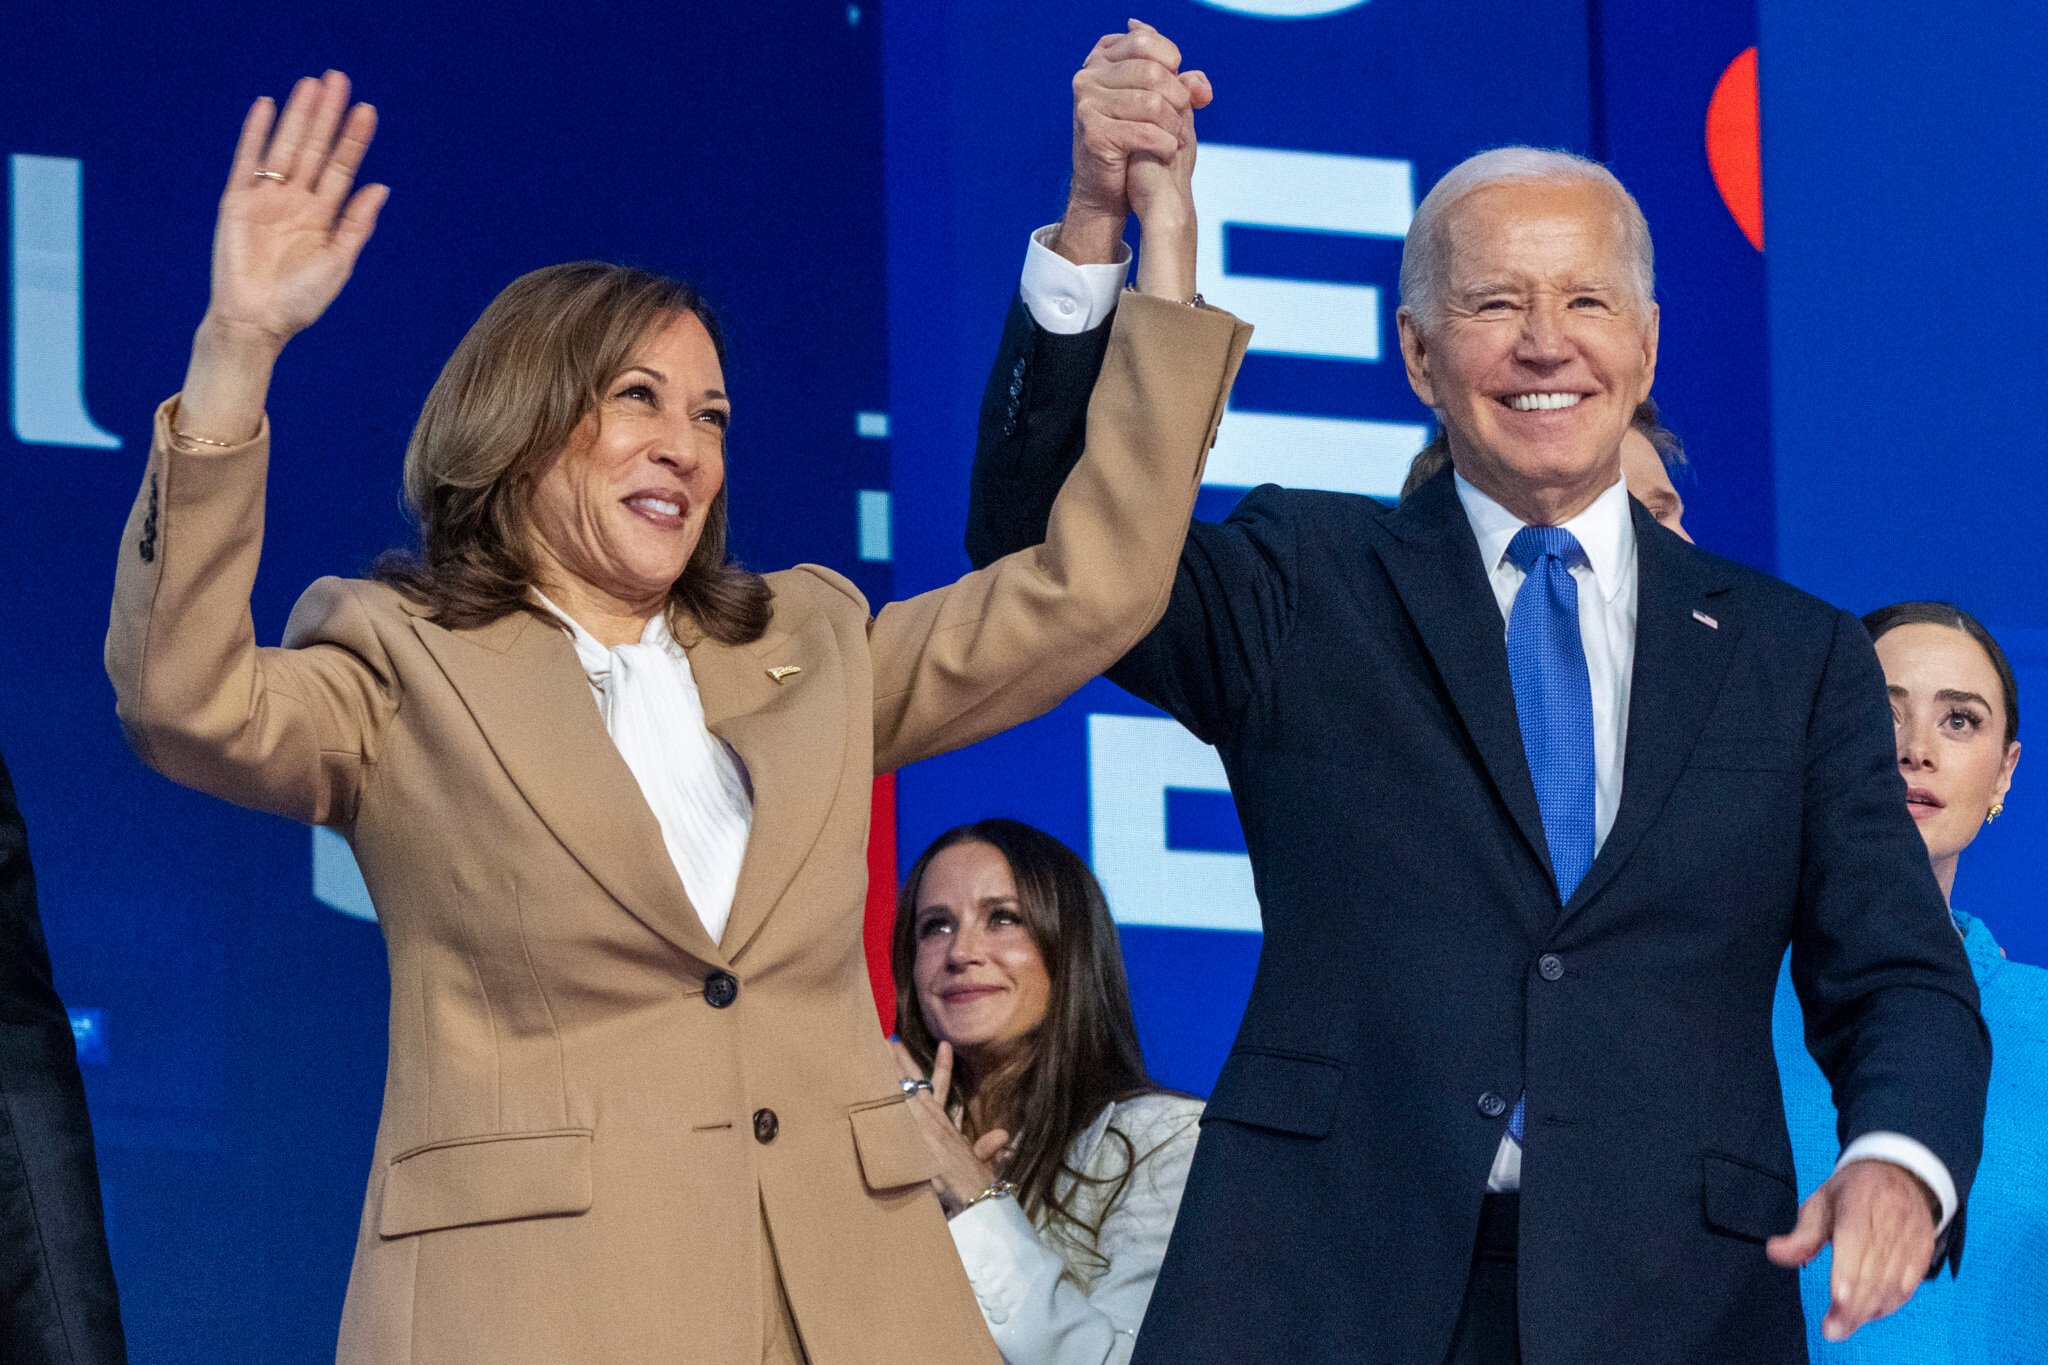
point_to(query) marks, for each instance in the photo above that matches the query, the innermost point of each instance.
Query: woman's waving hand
(290, 229)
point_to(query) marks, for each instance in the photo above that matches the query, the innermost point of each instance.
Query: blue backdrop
(853, 186)
(1902, 171)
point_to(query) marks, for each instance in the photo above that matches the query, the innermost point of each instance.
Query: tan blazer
(579, 1142)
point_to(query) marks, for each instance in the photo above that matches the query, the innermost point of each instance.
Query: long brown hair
(1084, 1057)
(526, 374)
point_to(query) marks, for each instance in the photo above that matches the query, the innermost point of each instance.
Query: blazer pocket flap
(1745, 1201)
(493, 1178)
(892, 1152)
(1285, 1091)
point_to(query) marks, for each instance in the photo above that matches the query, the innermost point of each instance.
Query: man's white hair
(1425, 255)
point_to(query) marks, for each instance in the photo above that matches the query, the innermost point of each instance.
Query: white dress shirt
(1066, 298)
(1048, 1296)
(693, 783)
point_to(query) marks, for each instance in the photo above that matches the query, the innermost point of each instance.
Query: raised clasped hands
(1134, 152)
(1880, 1218)
(965, 1168)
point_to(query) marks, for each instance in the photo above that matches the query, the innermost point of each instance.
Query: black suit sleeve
(1232, 604)
(57, 1299)
(1034, 423)
(1891, 1007)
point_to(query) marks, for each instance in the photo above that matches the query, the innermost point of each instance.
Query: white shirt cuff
(1001, 1253)
(1065, 298)
(1915, 1156)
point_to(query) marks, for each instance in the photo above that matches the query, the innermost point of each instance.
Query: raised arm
(1232, 602)
(1133, 149)
(279, 730)
(1011, 640)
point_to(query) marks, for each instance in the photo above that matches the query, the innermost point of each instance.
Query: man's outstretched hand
(1881, 1220)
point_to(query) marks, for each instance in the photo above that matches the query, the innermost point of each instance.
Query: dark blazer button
(1492, 1105)
(1550, 966)
(766, 1125)
(721, 989)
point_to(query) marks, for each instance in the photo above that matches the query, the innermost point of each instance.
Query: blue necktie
(1554, 703)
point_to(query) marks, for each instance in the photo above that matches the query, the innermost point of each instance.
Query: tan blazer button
(721, 989)
(766, 1125)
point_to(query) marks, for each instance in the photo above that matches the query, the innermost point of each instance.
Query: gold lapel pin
(782, 671)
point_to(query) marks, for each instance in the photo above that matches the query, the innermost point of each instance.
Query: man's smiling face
(1541, 345)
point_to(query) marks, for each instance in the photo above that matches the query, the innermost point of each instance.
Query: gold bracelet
(999, 1189)
(1196, 302)
(177, 435)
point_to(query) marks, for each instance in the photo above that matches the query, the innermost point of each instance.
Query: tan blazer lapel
(522, 684)
(790, 733)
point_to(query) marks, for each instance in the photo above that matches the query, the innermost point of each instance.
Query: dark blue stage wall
(244, 1020)
(1325, 130)
(1902, 169)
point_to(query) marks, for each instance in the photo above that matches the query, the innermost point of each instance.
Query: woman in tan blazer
(621, 1123)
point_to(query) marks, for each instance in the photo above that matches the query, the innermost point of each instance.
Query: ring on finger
(265, 174)
(910, 1085)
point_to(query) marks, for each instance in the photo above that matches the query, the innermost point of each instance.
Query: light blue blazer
(1996, 1311)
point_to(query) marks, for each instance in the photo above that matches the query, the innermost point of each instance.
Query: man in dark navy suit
(1537, 795)
(57, 1300)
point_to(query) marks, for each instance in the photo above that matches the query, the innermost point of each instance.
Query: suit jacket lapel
(1434, 562)
(790, 734)
(526, 691)
(1680, 663)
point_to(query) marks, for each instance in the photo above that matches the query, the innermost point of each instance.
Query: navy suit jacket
(1349, 662)
(57, 1299)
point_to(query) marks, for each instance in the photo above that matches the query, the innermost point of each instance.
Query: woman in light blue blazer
(1955, 705)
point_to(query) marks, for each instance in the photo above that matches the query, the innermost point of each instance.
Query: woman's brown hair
(1084, 1057)
(527, 373)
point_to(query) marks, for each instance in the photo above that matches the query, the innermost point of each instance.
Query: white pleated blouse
(693, 782)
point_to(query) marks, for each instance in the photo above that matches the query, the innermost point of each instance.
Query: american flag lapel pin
(1709, 622)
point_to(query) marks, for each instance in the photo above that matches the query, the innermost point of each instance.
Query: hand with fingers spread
(965, 1168)
(1881, 1220)
(290, 229)
(1133, 147)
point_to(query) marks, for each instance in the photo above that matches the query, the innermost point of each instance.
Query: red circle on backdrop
(1734, 151)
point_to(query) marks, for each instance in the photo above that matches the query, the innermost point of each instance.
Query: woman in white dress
(1061, 1163)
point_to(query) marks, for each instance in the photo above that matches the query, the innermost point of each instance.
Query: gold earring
(1997, 809)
